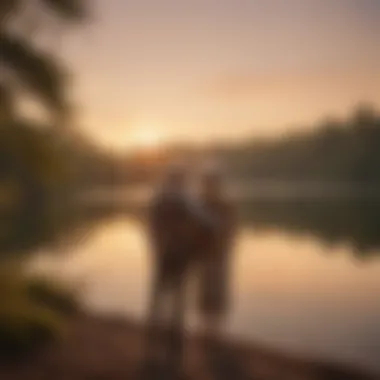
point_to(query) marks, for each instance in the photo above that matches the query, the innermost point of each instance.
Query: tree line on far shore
(335, 150)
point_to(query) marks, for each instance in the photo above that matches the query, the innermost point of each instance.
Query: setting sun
(146, 138)
(139, 136)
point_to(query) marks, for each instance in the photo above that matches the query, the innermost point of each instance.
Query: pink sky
(206, 69)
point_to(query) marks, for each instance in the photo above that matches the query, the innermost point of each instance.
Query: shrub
(52, 295)
(32, 312)
(25, 326)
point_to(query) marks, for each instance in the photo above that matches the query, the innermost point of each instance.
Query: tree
(27, 67)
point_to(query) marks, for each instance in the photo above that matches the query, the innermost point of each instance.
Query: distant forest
(339, 150)
(336, 150)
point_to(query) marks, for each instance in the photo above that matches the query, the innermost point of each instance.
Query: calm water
(306, 275)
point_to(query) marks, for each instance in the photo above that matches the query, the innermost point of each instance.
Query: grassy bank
(33, 311)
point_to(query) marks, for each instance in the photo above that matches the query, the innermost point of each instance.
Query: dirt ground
(100, 349)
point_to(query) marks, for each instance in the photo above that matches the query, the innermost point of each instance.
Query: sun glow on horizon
(146, 138)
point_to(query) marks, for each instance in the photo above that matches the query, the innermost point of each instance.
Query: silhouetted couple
(191, 236)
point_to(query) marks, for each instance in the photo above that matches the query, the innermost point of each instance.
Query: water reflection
(290, 291)
(355, 223)
(351, 220)
(64, 225)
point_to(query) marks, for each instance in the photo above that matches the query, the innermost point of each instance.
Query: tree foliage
(23, 62)
(335, 150)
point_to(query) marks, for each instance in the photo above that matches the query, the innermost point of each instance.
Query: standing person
(215, 265)
(175, 223)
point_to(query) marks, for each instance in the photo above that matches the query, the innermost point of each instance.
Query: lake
(306, 273)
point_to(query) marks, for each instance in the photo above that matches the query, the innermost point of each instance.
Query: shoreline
(101, 348)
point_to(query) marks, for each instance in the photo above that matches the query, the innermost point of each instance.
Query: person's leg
(180, 304)
(177, 325)
(155, 311)
(215, 302)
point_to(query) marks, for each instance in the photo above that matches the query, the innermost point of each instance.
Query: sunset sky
(204, 69)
